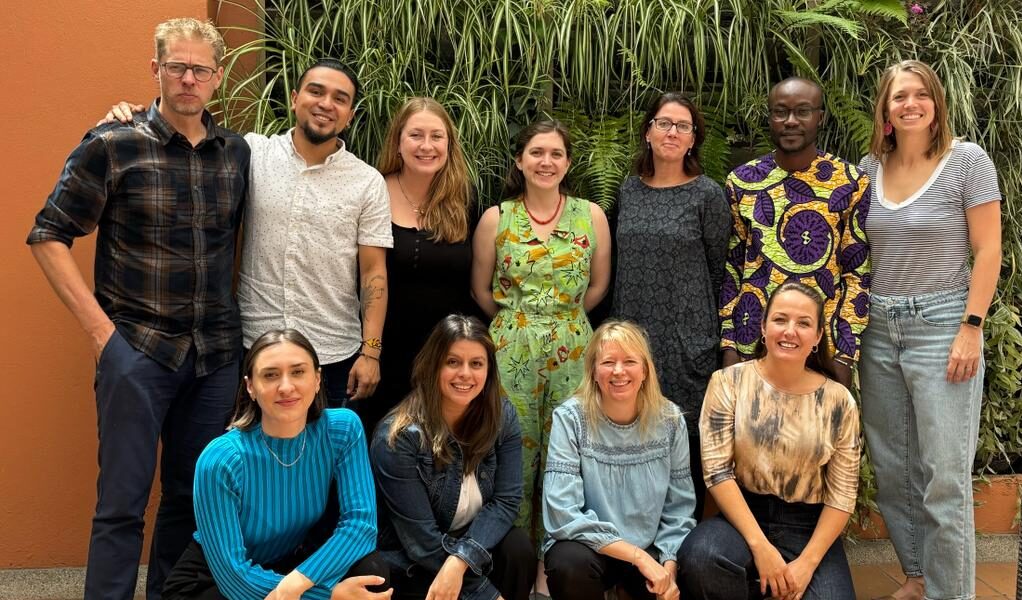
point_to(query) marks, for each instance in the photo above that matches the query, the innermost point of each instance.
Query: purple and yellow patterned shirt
(805, 226)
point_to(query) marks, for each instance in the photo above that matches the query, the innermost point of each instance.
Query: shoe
(538, 596)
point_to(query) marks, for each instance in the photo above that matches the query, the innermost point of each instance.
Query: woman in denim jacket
(448, 472)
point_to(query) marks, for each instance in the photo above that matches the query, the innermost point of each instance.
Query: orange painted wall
(64, 64)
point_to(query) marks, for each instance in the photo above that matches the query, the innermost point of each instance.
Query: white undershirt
(470, 501)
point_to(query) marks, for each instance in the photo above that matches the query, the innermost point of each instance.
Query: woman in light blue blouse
(261, 492)
(618, 498)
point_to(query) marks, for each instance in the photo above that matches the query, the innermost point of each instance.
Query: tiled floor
(993, 580)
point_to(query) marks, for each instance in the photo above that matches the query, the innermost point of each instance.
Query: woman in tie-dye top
(780, 445)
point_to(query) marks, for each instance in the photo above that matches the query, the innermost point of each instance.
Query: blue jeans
(715, 562)
(335, 380)
(138, 403)
(922, 433)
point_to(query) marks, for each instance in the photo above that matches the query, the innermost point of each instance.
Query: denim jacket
(417, 501)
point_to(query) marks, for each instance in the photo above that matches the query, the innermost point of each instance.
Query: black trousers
(576, 571)
(513, 572)
(192, 579)
(695, 454)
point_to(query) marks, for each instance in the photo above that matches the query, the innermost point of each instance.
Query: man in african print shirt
(798, 214)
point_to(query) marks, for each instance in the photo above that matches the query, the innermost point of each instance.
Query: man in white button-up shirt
(318, 216)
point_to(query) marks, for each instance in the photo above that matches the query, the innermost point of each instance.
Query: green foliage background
(498, 64)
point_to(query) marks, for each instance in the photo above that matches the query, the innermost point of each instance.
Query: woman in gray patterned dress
(673, 225)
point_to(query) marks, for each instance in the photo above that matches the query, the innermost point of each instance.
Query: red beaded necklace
(537, 220)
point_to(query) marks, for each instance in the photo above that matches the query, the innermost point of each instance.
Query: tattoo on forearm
(372, 290)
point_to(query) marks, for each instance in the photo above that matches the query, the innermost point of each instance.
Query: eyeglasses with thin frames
(664, 125)
(177, 70)
(802, 113)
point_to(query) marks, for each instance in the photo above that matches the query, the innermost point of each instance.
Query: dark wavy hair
(423, 407)
(819, 360)
(514, 183)
(643, 166)
(246, 410)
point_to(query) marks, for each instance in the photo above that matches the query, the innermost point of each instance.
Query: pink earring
(933, 125)
(888, 128)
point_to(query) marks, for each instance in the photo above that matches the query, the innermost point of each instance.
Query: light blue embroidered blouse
(605, 483)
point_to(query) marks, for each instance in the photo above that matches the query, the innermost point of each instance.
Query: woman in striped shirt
(261, 491)
(934, 202)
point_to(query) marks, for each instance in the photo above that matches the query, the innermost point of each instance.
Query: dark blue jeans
(139, 403)
(335, 381)
(370, 410)
(715, 563)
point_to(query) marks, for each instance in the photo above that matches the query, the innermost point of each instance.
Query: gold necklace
(277, 458)
(415, 207)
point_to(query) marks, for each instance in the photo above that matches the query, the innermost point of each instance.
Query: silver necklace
(277, 458)
(415, 207)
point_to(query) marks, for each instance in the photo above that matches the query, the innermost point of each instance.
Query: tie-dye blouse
(801, 225)
(798, 447)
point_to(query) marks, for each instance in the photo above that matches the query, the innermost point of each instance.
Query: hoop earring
(815, 348)
(888, 128)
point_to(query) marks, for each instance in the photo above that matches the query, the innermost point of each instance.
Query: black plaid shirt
(168, 218)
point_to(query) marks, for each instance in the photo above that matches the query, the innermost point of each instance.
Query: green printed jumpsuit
(541, 329)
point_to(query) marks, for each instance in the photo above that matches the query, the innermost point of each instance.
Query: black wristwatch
(972, 320)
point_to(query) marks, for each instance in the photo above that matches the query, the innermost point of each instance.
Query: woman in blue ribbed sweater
(261, 492)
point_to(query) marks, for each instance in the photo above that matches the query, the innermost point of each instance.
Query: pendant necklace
(415, 207)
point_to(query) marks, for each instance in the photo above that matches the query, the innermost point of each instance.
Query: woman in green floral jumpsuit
(540, 260)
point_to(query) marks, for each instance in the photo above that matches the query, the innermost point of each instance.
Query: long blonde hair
(652, 406)
(940, 137)
(445, 212)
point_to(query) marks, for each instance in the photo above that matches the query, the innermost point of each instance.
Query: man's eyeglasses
(177, 71)
(802, 113)
(664, 125)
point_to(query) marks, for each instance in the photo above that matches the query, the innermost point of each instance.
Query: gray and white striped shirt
(921, 245)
